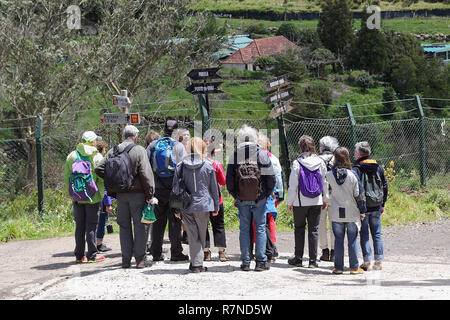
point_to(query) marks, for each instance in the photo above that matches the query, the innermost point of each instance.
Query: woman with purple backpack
(87, 190)
(307, 196)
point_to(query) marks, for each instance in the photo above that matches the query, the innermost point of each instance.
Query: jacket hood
(311, 162)
(339, 174)
(367, 164)
(86, 150)
(193, 161)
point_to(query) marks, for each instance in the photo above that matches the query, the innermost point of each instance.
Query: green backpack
(373, 188)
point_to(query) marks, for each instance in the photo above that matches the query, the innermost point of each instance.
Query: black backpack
(118, 172)
(373, 188)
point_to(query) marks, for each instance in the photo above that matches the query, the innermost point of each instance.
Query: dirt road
(416, 267)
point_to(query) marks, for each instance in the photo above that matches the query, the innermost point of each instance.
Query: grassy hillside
(429, 25)
(298, 5)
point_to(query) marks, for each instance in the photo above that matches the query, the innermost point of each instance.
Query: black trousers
(163, 215)
(86, 220)
(218, 228)
(310, 215)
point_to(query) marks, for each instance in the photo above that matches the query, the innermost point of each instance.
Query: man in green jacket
(86, 212)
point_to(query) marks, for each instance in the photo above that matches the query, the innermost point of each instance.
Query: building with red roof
(245, 58)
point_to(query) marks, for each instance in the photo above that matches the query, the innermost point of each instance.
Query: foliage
(364, 81)
(289, 62)
(371, 48)
(335, 27)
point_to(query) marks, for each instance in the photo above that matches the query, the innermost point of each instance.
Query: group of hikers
(179, 177)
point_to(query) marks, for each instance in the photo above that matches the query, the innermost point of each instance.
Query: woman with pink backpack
(307, 196)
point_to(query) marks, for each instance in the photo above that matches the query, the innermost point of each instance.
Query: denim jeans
(257, 210)
(372, 221)
(102, 221)
(352, 237)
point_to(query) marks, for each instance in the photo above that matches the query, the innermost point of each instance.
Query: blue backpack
(162, 158)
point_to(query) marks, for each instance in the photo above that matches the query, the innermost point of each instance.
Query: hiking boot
(144, 263)
(356, 271)
(325, 255)
(82, 260)
(332, 255)
(207, 255)
(180, 257)
(366, 266)
(223, 256)
(377, 265)
(184, 238)
(295, 262)
(262, 266)
(126, 265)
(337, 271)
(198, 269)
(158, 258)
(98, 258)
(245, 267)
(103, 248)
(313, 265)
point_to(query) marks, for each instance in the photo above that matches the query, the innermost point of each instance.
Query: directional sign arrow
(120, 118)
(200, 88)
(279, 110)
(275, 83)
(282, 95)
(203, 74)
(121, 101)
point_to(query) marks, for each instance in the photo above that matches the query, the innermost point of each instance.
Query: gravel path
(416, 266)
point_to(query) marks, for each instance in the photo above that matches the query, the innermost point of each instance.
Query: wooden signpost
(121, 118)
(124, 117)
(204, 88)
(281, 100)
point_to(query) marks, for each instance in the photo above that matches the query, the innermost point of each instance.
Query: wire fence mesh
(394, 140)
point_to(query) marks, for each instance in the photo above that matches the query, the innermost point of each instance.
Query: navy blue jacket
(368, 165)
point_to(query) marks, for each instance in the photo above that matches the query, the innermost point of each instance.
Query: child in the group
(345, 214)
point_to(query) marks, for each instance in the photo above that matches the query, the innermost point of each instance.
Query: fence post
(39, 163)
(284, 148)
(204, 113)
(423, 151)
(352, 129)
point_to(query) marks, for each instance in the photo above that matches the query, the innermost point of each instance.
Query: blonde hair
(198, 146)
(263, 141)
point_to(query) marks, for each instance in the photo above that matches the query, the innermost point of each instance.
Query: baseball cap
(89, 136)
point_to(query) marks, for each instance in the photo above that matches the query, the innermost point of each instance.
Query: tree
(45, 65)
(318, 59)
(49, 68)
(317, 94)
(364, 81)
(404, 79)
(335, 27)
(371, 48)
(289, 62)
(144, 44)
(389, 106)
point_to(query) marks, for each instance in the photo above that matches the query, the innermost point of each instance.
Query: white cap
(89, 136)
